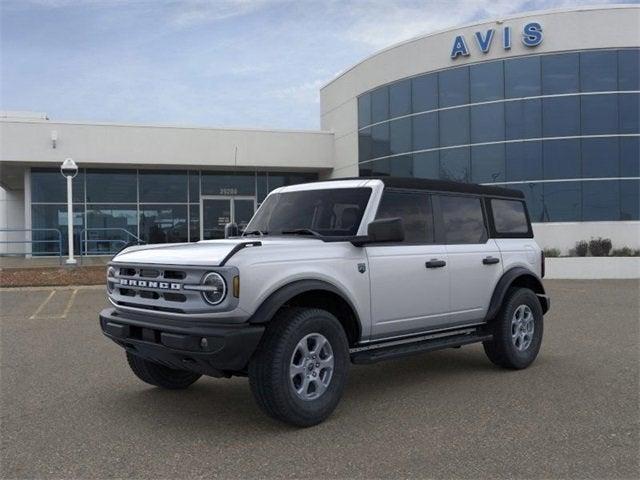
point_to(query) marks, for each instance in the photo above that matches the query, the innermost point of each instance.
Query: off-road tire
(159, 375)
(501, 349)
(269, 375)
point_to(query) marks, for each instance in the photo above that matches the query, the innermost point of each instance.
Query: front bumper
(215, 350)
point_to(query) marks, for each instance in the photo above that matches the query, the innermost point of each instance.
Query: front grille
(158, 289)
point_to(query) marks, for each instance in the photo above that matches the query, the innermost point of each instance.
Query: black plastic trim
(503, 285)
(280, 297)
(237, 248)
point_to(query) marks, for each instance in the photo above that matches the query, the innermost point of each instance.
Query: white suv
(328, 273)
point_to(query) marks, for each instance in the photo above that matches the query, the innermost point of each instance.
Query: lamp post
(69, 169)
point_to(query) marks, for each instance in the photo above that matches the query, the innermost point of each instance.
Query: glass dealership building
(545, 102)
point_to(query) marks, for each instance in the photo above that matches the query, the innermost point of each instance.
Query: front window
(327, 212)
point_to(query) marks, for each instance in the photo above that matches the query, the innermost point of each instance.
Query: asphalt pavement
(70, 407)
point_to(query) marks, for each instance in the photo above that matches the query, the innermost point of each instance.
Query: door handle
(435, 263)
(490, 260)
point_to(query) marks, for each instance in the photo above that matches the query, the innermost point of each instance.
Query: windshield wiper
(255, 232)
(302, 231)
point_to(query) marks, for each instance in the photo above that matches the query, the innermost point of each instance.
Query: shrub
(581, 249)
(551, 252)
(600, 247)
(625, 252)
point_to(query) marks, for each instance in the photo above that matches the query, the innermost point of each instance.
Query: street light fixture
(69, 169)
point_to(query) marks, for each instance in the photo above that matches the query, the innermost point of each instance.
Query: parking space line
(42, 305)
(69, 304)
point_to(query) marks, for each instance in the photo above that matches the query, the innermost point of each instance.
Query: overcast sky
(248, 63)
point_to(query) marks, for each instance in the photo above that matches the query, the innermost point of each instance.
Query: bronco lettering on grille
(147, 284)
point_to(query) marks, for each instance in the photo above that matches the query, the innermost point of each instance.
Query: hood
(204, 253)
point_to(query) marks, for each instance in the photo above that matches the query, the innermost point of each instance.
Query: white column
(70, 260)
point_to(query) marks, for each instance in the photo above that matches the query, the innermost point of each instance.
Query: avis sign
(531, 37)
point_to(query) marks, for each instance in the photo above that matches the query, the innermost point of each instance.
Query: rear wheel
(159, 375)
(299, 371)
(517, 334)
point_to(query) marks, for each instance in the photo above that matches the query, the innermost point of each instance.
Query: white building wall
(11, 217)
(565, 235)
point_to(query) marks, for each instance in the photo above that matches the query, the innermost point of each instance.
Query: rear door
(409, 280)
(475, 264)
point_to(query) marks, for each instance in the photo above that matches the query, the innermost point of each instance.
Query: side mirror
(230, 230)
(385, 230)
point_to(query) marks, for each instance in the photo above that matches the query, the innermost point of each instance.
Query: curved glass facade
(563, 128)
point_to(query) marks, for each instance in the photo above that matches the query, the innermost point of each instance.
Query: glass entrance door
(217, 211)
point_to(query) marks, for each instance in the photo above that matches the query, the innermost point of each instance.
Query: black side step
(406, 349)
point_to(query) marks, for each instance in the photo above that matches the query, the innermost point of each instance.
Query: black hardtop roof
(442, 186)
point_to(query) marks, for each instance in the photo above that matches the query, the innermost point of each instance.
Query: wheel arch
(314, 294)
(516, 277)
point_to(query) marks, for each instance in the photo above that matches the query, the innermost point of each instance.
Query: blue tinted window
(365, 170)
(454, 164)
(118, 219)
(425, 92)
(365, 145)
(400, 98)
(523, 161)
(598, 71)
(629, 69)
(562, 201)
(522, 77)
(55, 217)
(400, 135)
(561, 116)
(194, 186)
(48, 185)
(599, 114)
(487, 81)
(600, 157)
(219, 183)
(630, 157)
(487, 163)
(487, 123)
(380, 140)
(364, 110)
(106, 186)
(629, 112)
(523, 119)
(379, 105)
(454, 87)
(163, 186)
(194, 221)
(561, 159)
(401, 166)
(454, 127)
(533, 197)
(426, 165)
(560, 73)
(381, 168)
(630, 200)
(425, 131)
(163, 223)
(600, 201)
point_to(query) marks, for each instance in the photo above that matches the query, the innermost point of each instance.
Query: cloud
(194, 12)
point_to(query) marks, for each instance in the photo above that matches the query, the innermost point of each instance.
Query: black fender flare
(265, 312)
(505, 282)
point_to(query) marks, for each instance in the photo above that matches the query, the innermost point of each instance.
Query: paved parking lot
(71, 408)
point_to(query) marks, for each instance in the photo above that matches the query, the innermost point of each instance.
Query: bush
(551, 252)
(625, 252)
(600, 247)
(581, 249)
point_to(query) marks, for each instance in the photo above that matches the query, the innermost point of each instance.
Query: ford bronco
(327, 274)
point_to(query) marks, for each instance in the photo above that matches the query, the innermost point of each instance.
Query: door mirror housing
(383, 230)
(230, 230)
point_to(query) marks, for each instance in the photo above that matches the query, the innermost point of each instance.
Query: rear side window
(415, 211)
(463, 219)
(509, 217)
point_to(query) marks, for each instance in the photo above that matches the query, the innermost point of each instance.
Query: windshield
(326, 212)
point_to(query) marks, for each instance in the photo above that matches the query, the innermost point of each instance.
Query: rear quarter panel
(520, 252)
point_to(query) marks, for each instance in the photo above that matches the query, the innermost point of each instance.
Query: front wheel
(299, 371)
(517, 334)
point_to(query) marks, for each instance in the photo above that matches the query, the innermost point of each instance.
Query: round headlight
(111, 273)
(216, 288)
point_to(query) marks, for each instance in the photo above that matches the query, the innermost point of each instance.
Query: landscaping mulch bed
(52, 276)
